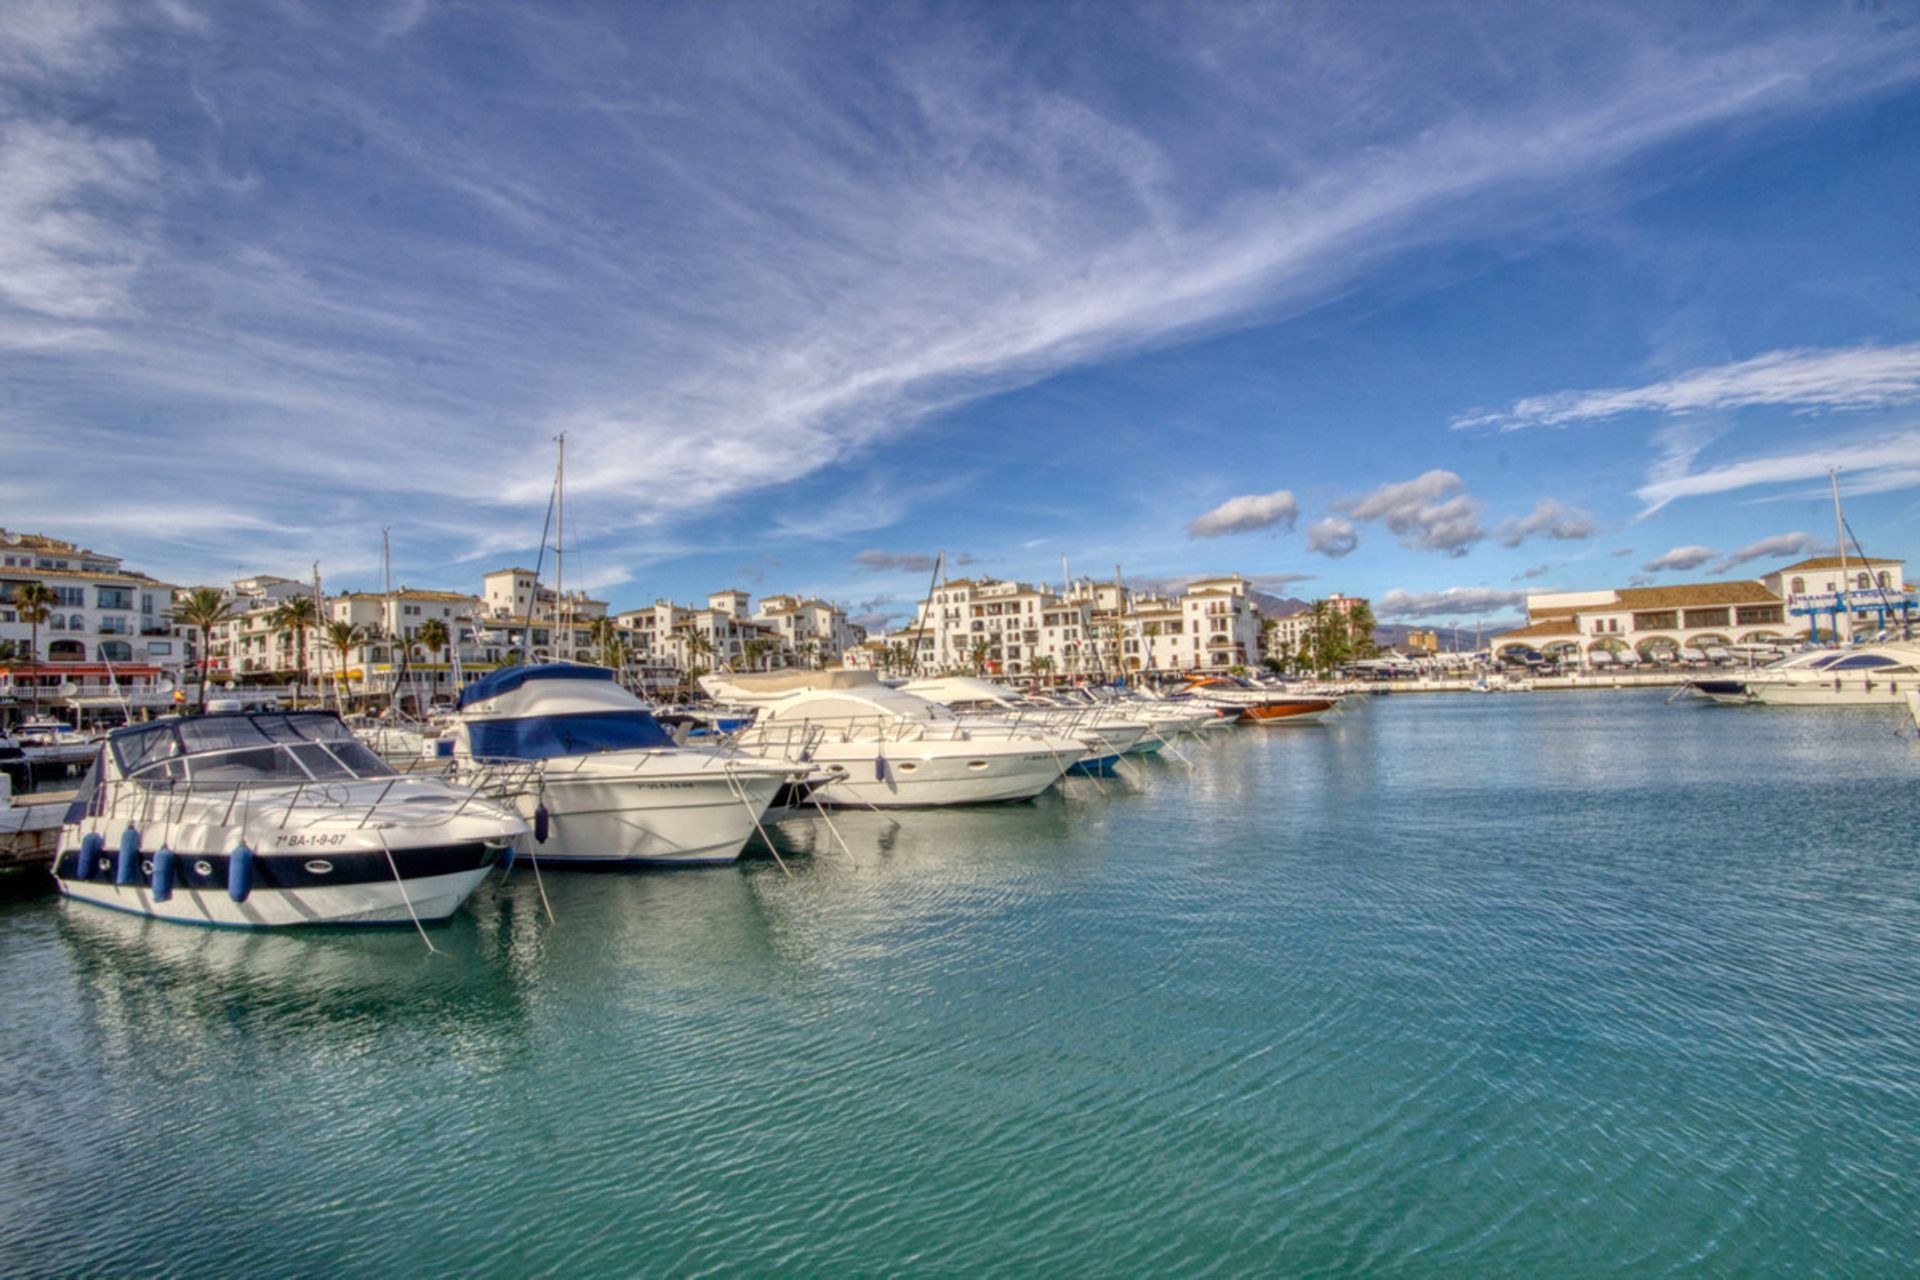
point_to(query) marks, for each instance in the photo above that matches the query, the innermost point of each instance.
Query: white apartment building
(1876, 594)
(812, 632)
(108, 634)
(1095, 628)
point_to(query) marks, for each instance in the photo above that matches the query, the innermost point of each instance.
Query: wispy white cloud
(1454, 602)
(1246, 514)
(1878, 464)
(1680, 558)
(1429, 513)
(1864, 377)
(1548, 520)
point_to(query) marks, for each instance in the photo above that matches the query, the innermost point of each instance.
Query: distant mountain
(1278, 606)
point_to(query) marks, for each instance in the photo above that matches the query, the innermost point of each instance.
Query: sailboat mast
(1840, 533)
(564, 652)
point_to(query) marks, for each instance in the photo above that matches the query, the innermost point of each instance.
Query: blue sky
(1432, 303)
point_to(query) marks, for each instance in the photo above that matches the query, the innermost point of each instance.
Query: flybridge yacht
(266, 820)
(1254, 704)
(1872, 675)
(888, 748)
(600, 778)
(1105, 736)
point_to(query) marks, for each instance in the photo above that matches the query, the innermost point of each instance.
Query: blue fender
(165, 868)
(127, 869)
(240, 873)
(92, 845)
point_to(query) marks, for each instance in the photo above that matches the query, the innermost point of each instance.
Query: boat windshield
(295, 747)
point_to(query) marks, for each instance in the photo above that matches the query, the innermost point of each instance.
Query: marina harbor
(1143, 639)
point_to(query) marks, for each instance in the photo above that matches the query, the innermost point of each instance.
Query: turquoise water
(1555, 985)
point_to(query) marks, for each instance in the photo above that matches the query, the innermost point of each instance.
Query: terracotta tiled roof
(1543, 629)
(1833, 562)
(1689, 595)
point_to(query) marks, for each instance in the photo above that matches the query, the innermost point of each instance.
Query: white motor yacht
(263, 820)
(1106, 737)
(887, 748)
(600, 778)
(1870, 675)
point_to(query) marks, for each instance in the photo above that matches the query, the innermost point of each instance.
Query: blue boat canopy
(507, 679)
(544, 737)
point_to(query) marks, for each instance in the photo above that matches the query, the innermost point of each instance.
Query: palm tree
(343, 637)
(294, 617)
(810, 654)
(618, 653)
(1041, 666)
(203, 609)
(433, 637)
(903, 656)
(31, 600)
(1150, 632)
(698, 646)
(603, 632)
(978, 655)
(754, 650)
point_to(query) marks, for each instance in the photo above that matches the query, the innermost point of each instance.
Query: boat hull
(657, 822)
(913, 779)
(1268, 714)
(356, 887)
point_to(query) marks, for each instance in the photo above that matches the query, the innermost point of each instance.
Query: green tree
(203, 609)
(31, 601)
(434, 637)
(295, 617)
(754, 651)
(1360, 629)
(343, 638)
(978, 655)
(603, 632)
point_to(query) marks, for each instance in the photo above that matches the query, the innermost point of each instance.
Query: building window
(72, 597)
(1797, 587)
(1886, 580)
(116, 651)
(115, 598)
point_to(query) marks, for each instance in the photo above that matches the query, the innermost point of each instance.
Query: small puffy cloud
(1549, 520)
(1538, 571)
(1680, 558)
(1454, 602)
(1429, 512)
(1247, 513)
(1622, 553)
(906, 561)
(1332, 537)
(873, 623)
(1777, 547)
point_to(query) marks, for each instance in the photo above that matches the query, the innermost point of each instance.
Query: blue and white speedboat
(266, 820)
(600, 778)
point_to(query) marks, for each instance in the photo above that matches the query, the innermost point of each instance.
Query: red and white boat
(1234, 696)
